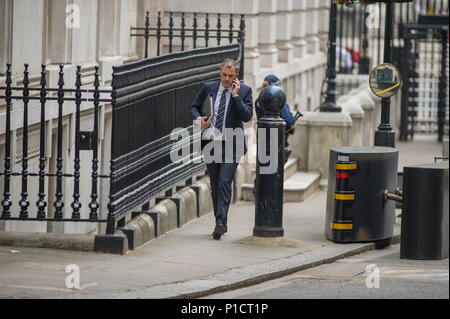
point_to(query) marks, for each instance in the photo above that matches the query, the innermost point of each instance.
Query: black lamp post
(385, 136)
(330, 101)
(364, 60)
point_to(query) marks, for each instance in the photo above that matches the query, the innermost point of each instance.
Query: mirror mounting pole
(385, 136)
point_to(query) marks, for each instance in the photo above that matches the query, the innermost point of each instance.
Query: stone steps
(298, 187)
(289, 169)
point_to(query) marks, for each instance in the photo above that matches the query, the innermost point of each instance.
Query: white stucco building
(284, 37)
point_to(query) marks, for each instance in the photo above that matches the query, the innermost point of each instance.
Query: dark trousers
(221, 176)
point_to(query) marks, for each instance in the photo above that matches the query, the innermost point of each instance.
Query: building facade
(283, 37)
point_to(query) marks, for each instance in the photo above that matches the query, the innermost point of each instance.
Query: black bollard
(270, 165)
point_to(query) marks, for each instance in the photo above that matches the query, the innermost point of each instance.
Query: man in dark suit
(233, 104)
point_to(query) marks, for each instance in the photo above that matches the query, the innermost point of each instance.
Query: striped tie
(221, 113)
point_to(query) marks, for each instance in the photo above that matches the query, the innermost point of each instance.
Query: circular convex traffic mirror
(385, 80)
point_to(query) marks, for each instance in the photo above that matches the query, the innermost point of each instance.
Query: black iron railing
(83, 141)
(425, 90)
(151, 98)
(360, 31)
(224, 31)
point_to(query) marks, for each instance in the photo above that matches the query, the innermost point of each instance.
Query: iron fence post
(110, 220)
(6, 203)
(194, 31)
(183, 26)
(170, 31)
(230, 31)
(147, 32)
(41, 203)
(76, 205)
(219, 25)
(59, 204)
(158, 35)
(242, 45)
(206, 29)
(93, 205)
(24, 202)
(442, 87)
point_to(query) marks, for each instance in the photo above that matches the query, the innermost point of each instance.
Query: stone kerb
(163, 217)
(143, 228)
(188, 205)
(168, 215)
(81, 242)
(206, 205)
(146, 225)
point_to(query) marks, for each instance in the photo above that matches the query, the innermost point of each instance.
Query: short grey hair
(229, 63)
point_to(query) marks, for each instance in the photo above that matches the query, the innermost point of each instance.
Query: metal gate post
(405, 89)
(442, 87)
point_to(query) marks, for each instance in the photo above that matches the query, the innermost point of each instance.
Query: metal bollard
(357, 209)
(270, 175)
(425, 212)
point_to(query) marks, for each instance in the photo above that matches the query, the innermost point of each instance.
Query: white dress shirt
(209, 132)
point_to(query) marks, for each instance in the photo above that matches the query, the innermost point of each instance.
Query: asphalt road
(377, 274)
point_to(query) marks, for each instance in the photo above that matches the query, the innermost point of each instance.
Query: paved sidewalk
(187, 262)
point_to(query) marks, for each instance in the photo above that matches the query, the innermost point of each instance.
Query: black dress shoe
(226, 229)
(218, 231)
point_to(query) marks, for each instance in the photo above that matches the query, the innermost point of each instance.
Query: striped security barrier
(344, 196)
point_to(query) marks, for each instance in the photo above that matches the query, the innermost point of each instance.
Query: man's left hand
(236, 87)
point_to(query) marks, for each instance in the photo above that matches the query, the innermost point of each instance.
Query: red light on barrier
(342, 175)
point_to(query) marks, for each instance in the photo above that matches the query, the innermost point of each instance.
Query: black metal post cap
(329, 106)
(272, 99)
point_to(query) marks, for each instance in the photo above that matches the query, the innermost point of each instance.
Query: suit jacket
(240, 108)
